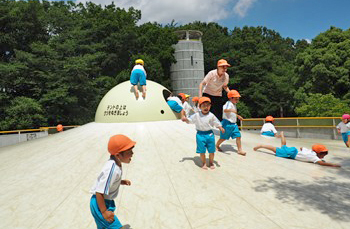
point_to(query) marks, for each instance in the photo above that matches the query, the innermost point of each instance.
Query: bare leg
(269, 147)
(219, 143)
(144, 91)
(211, 161)
(136, 91)
(239, 146)
(203, 161)
(283, 139)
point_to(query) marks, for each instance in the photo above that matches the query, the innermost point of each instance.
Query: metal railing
(295, 122)
(49, 130)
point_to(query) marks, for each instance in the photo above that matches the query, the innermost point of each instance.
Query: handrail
(250, 127)
(262, 119)
(34, 130)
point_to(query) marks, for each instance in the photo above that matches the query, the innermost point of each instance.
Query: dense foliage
(58, 59)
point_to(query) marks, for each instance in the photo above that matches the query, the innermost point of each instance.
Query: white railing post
(298, 130)
(19, 136)
(334, 131)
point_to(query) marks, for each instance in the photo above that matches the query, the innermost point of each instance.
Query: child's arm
(221, 129)
(230, 110)
(108, 215)
(239, 117)
(327, 164)
(338, 129)
(125, 182)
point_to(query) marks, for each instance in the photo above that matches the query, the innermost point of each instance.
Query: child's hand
(109, 216)
(125, 182)
(222, 129)
(184, 119)
(240, 117)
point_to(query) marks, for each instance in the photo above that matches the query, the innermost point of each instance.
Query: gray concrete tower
(188, 71)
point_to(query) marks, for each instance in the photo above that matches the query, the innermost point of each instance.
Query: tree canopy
(58, 59)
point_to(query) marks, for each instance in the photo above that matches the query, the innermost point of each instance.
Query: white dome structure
(120, 105)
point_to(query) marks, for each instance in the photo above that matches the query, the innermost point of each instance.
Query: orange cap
(119, 143)
(195, 99)
(318, 148)
(223, 62)
(269, 118)
(183, 96)
(204, 99)
(233, 94)
(59, 128)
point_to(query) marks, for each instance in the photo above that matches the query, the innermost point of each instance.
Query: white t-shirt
(232, 117)
(307, 155)
(187, 108)
(343, 127)
(108, 181)
(214, 83)
(176, 99)
(268, 127)
(204, 122)
(196, 109)
(138, 66)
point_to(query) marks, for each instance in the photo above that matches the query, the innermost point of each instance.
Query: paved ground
(45, 182)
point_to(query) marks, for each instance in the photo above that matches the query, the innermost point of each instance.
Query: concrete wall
(11, 139)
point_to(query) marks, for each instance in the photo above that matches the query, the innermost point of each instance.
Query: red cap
(119, 143)
(204, 99)
(233, 94)
(269, 118)
(318, 148)
(223, 62)
(183, 95)
(195, 99)
(59, 128)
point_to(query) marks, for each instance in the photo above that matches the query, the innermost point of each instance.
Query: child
(229, 119)
(138, 75)
(175, 103)
(187, 106)
(315, 155)
(107, 185)
(204, 120)
(343, 129)
(195, 104)
(268, 129)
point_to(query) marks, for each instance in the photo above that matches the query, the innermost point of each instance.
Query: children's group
(208, 112)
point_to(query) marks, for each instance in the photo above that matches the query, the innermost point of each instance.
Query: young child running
(195, 104)
(187, 106)
(268, 129)
(106, 188)
(204, 120)
(175, 103)
(229, 119)
(343, 129)
(315, 155)
(138, 75)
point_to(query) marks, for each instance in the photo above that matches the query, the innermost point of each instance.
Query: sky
(297, 19)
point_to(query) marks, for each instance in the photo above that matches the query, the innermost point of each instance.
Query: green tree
(324, 66)
(319, 105)
(23, 113)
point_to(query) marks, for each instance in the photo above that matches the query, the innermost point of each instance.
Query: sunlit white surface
(45, 182)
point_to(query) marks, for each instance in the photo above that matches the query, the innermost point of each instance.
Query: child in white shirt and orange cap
(204, 120)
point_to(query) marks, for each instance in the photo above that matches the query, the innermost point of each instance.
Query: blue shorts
(96, 213)
(268, 133)
(345, 136)
(205, 140)
(138, 76)
(174, 106)
(231, 130)
(286, 152)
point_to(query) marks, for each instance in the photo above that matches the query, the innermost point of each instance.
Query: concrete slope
(45, 182)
